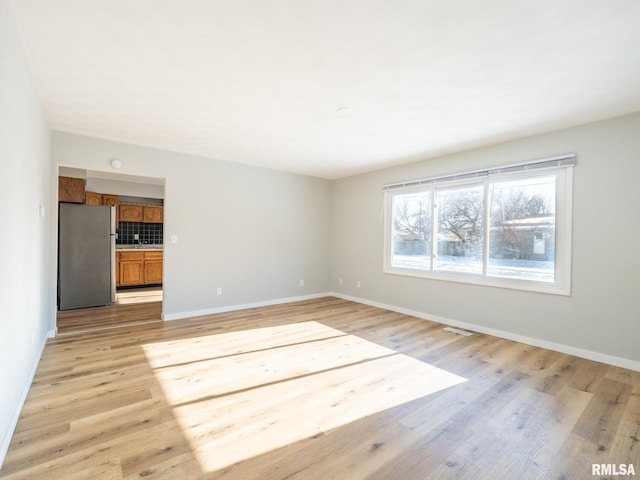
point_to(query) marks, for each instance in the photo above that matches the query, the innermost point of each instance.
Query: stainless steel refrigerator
(86, 256)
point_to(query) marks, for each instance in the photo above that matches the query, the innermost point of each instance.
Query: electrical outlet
(358, 284)
(301, 283)
(219, 291)
(340, 281)
(136, 236)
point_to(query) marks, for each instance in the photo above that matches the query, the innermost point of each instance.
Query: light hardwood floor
(321, 389)
(132, 306)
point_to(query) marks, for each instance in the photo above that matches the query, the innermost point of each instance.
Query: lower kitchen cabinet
(152, 267)
(130, 268)
(142, 267)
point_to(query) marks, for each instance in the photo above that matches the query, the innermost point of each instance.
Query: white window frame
(563, 226)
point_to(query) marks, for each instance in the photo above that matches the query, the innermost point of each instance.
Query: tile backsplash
(148, 233)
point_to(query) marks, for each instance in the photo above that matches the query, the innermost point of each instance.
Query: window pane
(522, 229)
(459, 237)
(412, 231)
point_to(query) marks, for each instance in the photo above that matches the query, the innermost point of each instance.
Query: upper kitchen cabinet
(141, 213)
(130, 213)
(152, 214)
(93, 198)
(110, 200)
(71, 189)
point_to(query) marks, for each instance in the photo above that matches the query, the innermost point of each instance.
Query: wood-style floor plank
(317, 389)
(132, 307)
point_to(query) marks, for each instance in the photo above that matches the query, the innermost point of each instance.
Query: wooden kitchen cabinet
(93, 198)
(152, 214)
(129, 213)
(130, 268)
(71, 189)
(152, 267)
(142, 267)
(110, 200)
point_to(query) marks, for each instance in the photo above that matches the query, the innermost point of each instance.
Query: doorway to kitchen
(139, 306)
(136, 252)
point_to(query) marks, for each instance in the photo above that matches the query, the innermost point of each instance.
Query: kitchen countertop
(131, 248)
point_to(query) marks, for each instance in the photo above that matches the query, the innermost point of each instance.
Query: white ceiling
(330, 88)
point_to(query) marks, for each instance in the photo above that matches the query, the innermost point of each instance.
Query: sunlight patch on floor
(241, 394)
(139, 295)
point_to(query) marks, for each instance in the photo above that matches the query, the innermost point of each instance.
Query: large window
(507, 227)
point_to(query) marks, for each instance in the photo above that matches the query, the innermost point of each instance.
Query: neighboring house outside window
(508, 227)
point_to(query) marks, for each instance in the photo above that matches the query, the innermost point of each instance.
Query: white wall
(253, 232)
(603, 313)
(144, 187)
(257, 232)
(125, 188)
(27, 313)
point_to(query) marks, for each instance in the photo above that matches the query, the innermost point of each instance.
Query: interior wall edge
(6, 441)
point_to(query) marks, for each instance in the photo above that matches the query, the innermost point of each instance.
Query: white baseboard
(242, 306)
(25, 391)
(536, 342)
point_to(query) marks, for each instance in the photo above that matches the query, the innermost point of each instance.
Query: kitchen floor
(132, 307)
